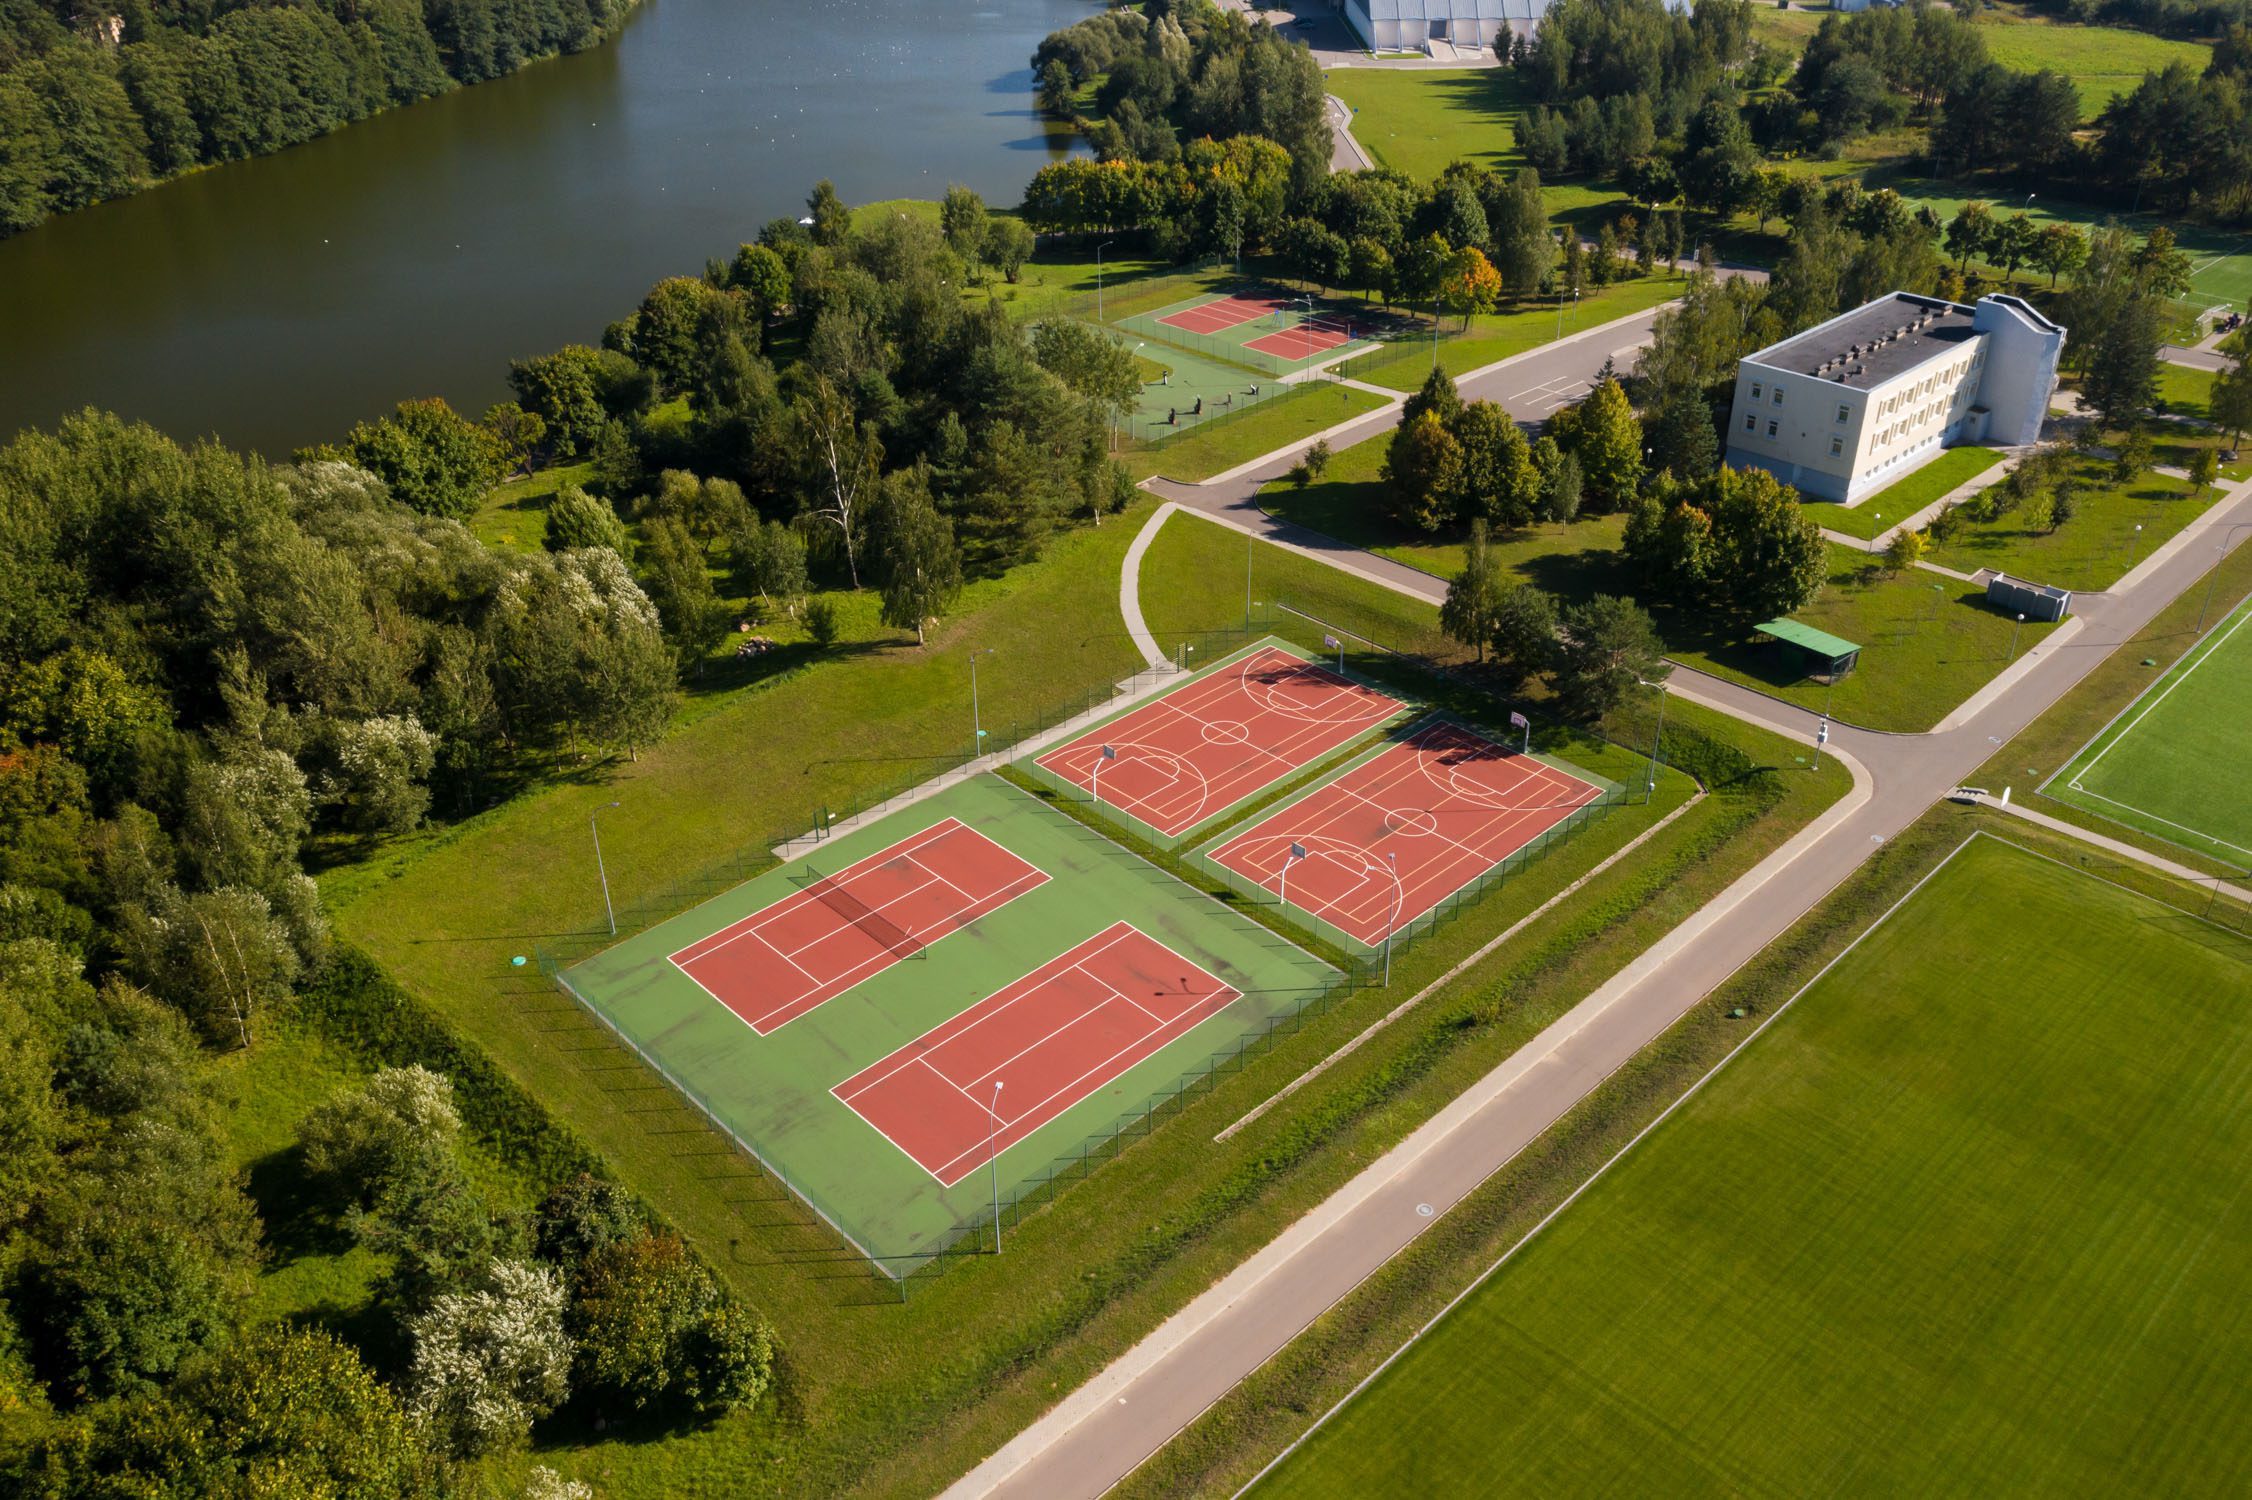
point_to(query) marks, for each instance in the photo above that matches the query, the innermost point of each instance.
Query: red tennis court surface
(1302, 342)
(810, 947)
(1401, 832)
(1215, 740)
(1050, 1039)
(1228, 312)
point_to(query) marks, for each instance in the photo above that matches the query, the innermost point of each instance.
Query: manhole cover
(1424, 1210)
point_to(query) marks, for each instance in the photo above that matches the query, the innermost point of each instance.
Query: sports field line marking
(755, 922)
(2211, 649)
(2198, 833)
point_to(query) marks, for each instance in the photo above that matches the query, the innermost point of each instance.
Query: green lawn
(2100, 542)
(2185, 391)
(1498, 336)
(2101, 61)
(1299, 417)
(1928, 642)
(513, 517)
(1417, 120)
(2167, 764)
(1896, 502)
(1966, 1218)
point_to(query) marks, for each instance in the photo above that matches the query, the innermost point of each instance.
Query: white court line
(755, 921)
(2211, 651)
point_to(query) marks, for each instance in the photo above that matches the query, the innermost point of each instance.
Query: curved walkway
(1099, 1433)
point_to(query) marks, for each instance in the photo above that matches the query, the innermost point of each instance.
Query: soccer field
(1968, 1218)
(2169, 764)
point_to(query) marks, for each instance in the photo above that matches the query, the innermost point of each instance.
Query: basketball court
(1310, 338)
(958, 1095)
(780, 962)
(1218, 739)
(1397, 834)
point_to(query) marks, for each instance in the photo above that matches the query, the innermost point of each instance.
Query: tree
(1904, 551)
(2231, 401)
(1970, 233)
(565, 390)
(1523, 634)
(1524, 246)
(1422, 472)
(674, 576)
(914, 547)
(576, 519)
(1470, 284)
(2121, 375)
(488, 1362)
(516, 434)
(430, 456)
(767, 560)
(1055, 89)
(656, 1333)
(1608, 645)
(1008, 245)
(1769, 556)
(962, 219)
(1720, 164)
(841, 462)
(393, 1127)
(221, 955)
(2060, 250)
(1603, 434)
(1681, 435)
(832, 221)
(1420, 270)
(1468, 613)
(1089, 361)
(1437, 396)
(1498, 480)
(2017, 242)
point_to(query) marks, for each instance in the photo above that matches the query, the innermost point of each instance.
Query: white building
(1411, 25)
(1847, 407)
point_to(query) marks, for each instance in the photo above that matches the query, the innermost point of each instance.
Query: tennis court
(2165, 766)
(1393, 836)
(1218, 739)
(969, 1087)
(1221, 312)
(1260, 328)
(1310, 337)
(968, 927)
(836, 930)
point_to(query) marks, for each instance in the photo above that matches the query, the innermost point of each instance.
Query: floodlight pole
(1308, 299)
(993, 1160)
(1650, 789)
(1099, 249)
(1393, 921)
(2215, 576)
(600, 873)
(977, 720)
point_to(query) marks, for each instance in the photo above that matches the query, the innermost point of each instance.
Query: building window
(1837, 447)
(1777, 400)
(1844, 412)
(1771, 429)
(1750, 421)
(1758, 390)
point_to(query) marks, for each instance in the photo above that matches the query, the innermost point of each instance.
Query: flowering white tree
(491, 1361)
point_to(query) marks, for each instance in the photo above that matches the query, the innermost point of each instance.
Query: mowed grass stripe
(1970, 1217)
(2170, 765)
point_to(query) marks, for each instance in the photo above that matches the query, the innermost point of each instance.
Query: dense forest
(98, 100)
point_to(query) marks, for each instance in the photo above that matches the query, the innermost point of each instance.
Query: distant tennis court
(1219, 738)
(981, 1081)
(778, 963)
(1397, 834)
(1221, 312)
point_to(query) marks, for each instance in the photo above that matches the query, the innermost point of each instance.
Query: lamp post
(1938, 592)
(1650, 788)
(1099, 249)
(2014, 629)
(2136, 556)
(1308, 325)
(2215, 576)
(993, 1160)
(1392, 922)
(1878, 517)
(977, 720)
(600, 873)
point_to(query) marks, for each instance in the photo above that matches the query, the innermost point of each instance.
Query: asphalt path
(1099, 1433)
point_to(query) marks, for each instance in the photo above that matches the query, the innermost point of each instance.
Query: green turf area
(1307, 411)
(1898, 501)
(2185, 391)
(2168, 764)
(1966, 1218)
(773, 1091)
(1405, 360)
(1417, 120)
(1928, 642)
(2093, 549)
(2101, 61)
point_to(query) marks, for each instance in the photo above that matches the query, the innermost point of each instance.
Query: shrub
(656, 1333)
(821, 621)
(490, 1362)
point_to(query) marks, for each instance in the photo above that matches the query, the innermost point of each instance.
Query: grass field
(1417, 120)
(2097, 546)
(2102, 61)
(2167, 765)
(775, 1090)
(1298, 417)
(2185, 391)
(1496, 336)
(1966, 1218)
(1928, 642)
(1897, 502)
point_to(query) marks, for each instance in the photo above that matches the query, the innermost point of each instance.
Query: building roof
(1876, 342)
(1820, 642)
(1450, 10)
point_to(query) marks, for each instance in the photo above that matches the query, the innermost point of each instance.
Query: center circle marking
(1410, 822)
(1226, 732)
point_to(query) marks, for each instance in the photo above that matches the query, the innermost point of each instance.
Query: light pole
(1938, 592)
(1821, 738)
(1392, 921)
(1650, 789)
(2137, 555)
(977, 719)
(2215, 576)
(1878, 517)
(1099, 249)
(2014, 629)
(1560, 308)
(1308, 325)
(1250, 549)
(993, 1160)
(600, 873)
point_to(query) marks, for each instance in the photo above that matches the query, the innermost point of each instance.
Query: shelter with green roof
(1825, 655)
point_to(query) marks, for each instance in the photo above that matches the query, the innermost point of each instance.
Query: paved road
(1101, 1432)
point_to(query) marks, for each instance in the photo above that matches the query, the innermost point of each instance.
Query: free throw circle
(1226, 732)
(1410, 822)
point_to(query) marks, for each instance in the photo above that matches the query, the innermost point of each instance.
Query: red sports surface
(1207, 745)
(1228, 312)
(808, 948)
(1300, 342)
(1050, 1039)
(1403, 831)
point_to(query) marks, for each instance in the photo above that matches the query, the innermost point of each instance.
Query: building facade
(1847, 407)
(1411, 25)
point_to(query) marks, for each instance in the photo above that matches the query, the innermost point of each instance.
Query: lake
(274, 302)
